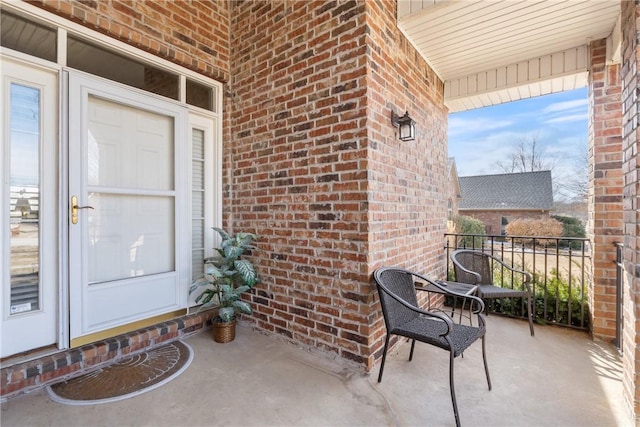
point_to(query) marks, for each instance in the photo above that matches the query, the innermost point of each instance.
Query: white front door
(29, 208)
(126, 222)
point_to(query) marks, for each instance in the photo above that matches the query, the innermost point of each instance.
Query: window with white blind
(205, 192)
(197, 202)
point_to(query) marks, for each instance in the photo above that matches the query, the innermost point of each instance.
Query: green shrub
(554, 305)
(468, 225)
(572, 227)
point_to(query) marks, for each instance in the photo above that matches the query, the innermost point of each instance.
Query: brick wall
(316, 170)
(408, 181)
(493, 220)
(296, 158)
(605, 188)
(311, 161)
(194, 35)
(631, 204)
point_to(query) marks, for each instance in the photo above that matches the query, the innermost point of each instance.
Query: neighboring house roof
(525, 190)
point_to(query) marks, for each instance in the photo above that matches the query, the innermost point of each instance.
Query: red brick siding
(492, 220)
(193, 34)
(408, 181)
(297, 167)
(34, 374)
(316, 169)
(311, 161)
(631, 203)
(605, 188)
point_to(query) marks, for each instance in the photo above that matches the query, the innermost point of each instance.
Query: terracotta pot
(224, 331)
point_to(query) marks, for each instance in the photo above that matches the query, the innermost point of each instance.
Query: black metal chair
(404, 317)
(475, 267)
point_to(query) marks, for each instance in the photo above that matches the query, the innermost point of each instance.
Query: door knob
(75, 208)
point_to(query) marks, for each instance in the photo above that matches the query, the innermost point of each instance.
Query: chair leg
(453, 307)
(484, 359)
(530, 310)
(413, 344)
(453, 389)
(384, 357)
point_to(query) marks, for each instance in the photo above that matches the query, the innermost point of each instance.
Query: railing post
(555, 293)
(619, 295)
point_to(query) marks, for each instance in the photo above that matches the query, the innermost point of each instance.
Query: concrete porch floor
(557, 378)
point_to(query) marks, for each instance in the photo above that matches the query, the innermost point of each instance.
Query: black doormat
(128, 377)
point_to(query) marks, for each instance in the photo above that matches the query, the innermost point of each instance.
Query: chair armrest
(446, 319)
(527, 275)
(448, 291)
(511, 268)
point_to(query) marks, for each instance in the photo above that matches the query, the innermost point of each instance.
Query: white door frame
(81, 85)
(23, 331)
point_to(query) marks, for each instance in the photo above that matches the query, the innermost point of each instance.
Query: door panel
(135, 233)
(124, 157)
(29, 209)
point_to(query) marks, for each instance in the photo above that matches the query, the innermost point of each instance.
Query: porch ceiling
(490, 51)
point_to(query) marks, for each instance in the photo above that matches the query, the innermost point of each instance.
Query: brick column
(605, 188)
(317, 169)
(630, 201)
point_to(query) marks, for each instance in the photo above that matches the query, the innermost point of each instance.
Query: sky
(479, 138)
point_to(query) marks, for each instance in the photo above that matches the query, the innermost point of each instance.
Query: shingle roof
(525, 190)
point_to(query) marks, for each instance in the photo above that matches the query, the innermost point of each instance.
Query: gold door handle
(74, 209)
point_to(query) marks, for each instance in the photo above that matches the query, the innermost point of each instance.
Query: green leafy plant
(554, 299)
(227, 277)
(558, 302)
(474, 232)
(573, 227)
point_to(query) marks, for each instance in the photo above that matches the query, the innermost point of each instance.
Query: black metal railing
(619, 293)
(559, 267)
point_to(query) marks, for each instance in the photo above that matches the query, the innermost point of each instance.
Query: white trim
(81, 87)
(62, 47)
(212, 180)
(37, 327)
(51, 19)
(213, 203)
(32, 61)
(64, 340)
(182, 85)
(212, 177)
(614, 44)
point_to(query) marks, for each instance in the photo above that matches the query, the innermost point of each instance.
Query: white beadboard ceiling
(492, 51)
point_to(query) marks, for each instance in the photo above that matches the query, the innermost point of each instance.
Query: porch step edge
(29, 376)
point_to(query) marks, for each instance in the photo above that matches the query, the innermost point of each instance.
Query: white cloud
(459, 125)
(478, 156)
(480, 138)
(568, 118)
(565, 106)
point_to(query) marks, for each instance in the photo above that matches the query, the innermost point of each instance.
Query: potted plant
(226, 278)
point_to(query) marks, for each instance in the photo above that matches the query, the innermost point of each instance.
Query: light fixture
(406, 126)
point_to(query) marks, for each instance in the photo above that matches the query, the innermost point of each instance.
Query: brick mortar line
(35, 374)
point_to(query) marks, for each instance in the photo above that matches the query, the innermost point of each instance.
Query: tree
(574, 185)
(572, 227)
(528, 155)
(528, 228)
(473, 229)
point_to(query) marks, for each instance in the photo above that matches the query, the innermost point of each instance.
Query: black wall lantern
(406, 126)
